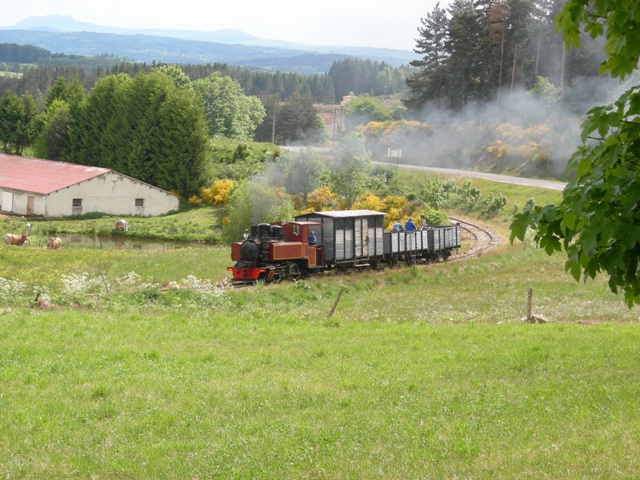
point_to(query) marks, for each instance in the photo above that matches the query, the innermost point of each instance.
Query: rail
(479, 239)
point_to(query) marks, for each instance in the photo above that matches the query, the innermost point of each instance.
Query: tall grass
(145, 364)
(188, 393)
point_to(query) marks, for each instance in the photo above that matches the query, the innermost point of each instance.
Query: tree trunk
(513, 69)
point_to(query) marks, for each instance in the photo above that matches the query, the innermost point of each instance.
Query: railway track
(476, 239)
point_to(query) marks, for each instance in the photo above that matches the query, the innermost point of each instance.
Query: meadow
(145, 364)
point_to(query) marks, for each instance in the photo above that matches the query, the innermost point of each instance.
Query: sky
(388, 24)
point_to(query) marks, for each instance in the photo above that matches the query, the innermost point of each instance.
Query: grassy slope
(420, 373)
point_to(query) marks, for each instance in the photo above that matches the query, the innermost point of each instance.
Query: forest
(493, 88)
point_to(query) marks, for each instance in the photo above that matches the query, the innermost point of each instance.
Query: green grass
(191, 225)
(186, 394)
(425, 372)
(517, 195)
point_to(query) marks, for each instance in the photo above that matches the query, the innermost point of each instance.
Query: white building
(31, 186)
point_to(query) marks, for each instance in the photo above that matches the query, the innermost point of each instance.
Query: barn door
(7, 201)
(30, 201)
(362, 240)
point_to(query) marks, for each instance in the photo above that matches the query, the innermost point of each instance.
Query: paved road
(531, 182)
(494, 177)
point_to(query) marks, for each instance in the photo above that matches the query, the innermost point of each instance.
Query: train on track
(340, 240)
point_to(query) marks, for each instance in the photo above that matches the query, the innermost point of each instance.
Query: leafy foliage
(228, 111)
(19, 122)
(322, 199)
(450, 195)
(356, 76)
(254, 202)
(364, 109)
(147, 127)
(239, 161)
(303, 173)
(217, 194)
(598, 221)
(350, 170)
(476, 50)
(296, 120)
(54, 138)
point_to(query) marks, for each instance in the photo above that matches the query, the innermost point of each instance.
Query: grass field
(145, 365)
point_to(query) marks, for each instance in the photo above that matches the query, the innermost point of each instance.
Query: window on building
(139, 202)
(76, 202)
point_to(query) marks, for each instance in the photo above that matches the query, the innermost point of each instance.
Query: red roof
(42, 176)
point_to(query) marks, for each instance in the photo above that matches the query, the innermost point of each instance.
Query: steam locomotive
(341, 240)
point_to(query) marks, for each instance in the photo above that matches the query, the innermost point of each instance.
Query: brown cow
(54, 243)
(13, 239)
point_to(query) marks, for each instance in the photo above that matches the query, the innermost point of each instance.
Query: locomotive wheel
(294, 270)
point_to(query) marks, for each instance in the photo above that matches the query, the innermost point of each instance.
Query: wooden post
(335, 304)
(530, 294)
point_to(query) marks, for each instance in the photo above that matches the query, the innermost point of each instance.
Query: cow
(13, 239)
(54, 243)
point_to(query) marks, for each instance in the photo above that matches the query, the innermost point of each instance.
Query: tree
(597, 221)
(254, 202)
(298, 121)
(546, 92)
(163, 134)
(95, 136)
(54, 138)
(364, 109)
(228, 111)
(463, 47)
(146, 127)
(303, 173)
(350, 171)
(19, 122)
(70, 92)
(430, 80)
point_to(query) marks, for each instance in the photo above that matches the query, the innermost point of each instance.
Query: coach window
(139, 202)
(296, 230)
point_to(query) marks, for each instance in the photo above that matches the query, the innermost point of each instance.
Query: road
(494, 177)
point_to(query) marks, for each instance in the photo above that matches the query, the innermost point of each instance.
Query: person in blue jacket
(409, 226)
(312, 238)
(397, 227)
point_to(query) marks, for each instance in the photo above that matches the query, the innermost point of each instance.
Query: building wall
(111, 193)
(23, 203)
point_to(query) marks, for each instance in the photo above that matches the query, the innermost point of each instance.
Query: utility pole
(273, 127)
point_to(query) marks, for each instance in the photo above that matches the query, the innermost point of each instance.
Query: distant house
(31, 186)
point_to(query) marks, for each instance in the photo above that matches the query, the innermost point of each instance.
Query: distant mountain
(65, 23)
(63, 34)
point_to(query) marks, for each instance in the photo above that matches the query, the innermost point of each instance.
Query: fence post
(335, 304)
